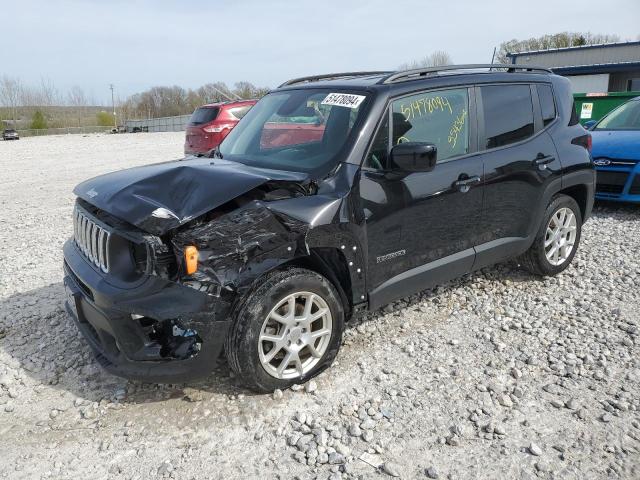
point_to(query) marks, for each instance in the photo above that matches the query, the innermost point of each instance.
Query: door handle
(464, 184)
(542, 161)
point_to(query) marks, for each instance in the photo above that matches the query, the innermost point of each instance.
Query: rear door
(520, 161)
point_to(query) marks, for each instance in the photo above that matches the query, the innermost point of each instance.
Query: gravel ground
(496, 375)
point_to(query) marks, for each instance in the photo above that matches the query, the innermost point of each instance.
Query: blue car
(616, 153)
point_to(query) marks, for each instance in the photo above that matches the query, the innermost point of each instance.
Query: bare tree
(261, 92)
(44, 95)
(77, 99)
(440, 58)
(10, 91)
(215, 92)
(49, 94)
(244, 90)
(436, 59)
(170, 101)
(126, 109)
(29, 96)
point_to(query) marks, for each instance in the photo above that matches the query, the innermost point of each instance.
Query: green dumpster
(594, 106)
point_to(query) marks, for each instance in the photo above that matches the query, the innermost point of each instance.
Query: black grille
(635, 186)
(610, 182)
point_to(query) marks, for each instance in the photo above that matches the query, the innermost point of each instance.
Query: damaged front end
(173, 341)
(239, 246)
(146, 317)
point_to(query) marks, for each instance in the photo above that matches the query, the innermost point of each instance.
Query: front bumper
(618, 183)
(123, 345)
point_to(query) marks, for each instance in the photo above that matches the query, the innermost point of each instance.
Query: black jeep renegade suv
(334, 194)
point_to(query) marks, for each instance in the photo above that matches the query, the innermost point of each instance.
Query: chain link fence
(31, 132)
(163, 124)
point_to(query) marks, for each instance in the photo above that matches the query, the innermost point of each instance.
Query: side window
(574, 119)
(239, 112)
(547, 105)
(508, 114)
(440, 117)
(379, 153)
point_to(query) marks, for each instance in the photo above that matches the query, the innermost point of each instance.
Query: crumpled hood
(160, 197)
(619, 144)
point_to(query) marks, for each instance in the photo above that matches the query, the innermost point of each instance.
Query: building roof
(606, 57)
(577, 47)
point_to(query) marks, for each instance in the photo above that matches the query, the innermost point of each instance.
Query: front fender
(345, 239)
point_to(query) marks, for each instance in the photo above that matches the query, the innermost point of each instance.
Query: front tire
(287, 330)
(557, 239)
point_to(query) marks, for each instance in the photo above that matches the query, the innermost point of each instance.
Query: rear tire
(557, 239)
(274, 325)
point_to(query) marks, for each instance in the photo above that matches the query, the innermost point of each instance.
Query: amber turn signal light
(191, 259)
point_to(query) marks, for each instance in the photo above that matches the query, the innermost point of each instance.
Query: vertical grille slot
(91, 239)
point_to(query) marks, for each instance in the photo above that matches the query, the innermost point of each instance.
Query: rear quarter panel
(577, 165)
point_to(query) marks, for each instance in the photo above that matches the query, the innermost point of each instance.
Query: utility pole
(113, 104)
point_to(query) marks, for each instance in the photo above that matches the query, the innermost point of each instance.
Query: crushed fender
(239, 246)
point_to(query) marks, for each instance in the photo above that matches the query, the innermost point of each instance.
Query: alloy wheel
(560, 237)
(295, 335)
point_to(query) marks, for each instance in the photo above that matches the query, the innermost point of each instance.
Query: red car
(209, 125)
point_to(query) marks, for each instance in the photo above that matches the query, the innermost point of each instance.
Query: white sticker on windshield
(343, 100)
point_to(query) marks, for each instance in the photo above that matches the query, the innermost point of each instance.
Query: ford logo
(602, 162)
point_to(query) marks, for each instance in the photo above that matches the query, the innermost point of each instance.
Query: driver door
(422, 226)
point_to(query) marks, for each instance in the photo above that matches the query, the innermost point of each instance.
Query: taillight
(583, 141)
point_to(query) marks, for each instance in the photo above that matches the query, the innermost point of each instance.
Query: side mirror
(590, 124)
(414, 156)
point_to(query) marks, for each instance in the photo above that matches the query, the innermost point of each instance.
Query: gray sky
(138, 44)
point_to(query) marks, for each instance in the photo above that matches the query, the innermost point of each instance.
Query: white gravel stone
(391, 469)
(534, 449)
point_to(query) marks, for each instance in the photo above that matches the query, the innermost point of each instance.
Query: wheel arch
(580, 193)
(580, 185)
(331, 264)
(338, 256)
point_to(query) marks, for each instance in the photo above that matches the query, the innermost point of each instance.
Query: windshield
(203, 115)
(625, 117)
(298, 130)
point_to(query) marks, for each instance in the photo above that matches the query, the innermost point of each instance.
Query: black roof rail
(416, 73)
(328, 76)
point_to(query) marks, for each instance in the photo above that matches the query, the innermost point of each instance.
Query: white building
(609, 67)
